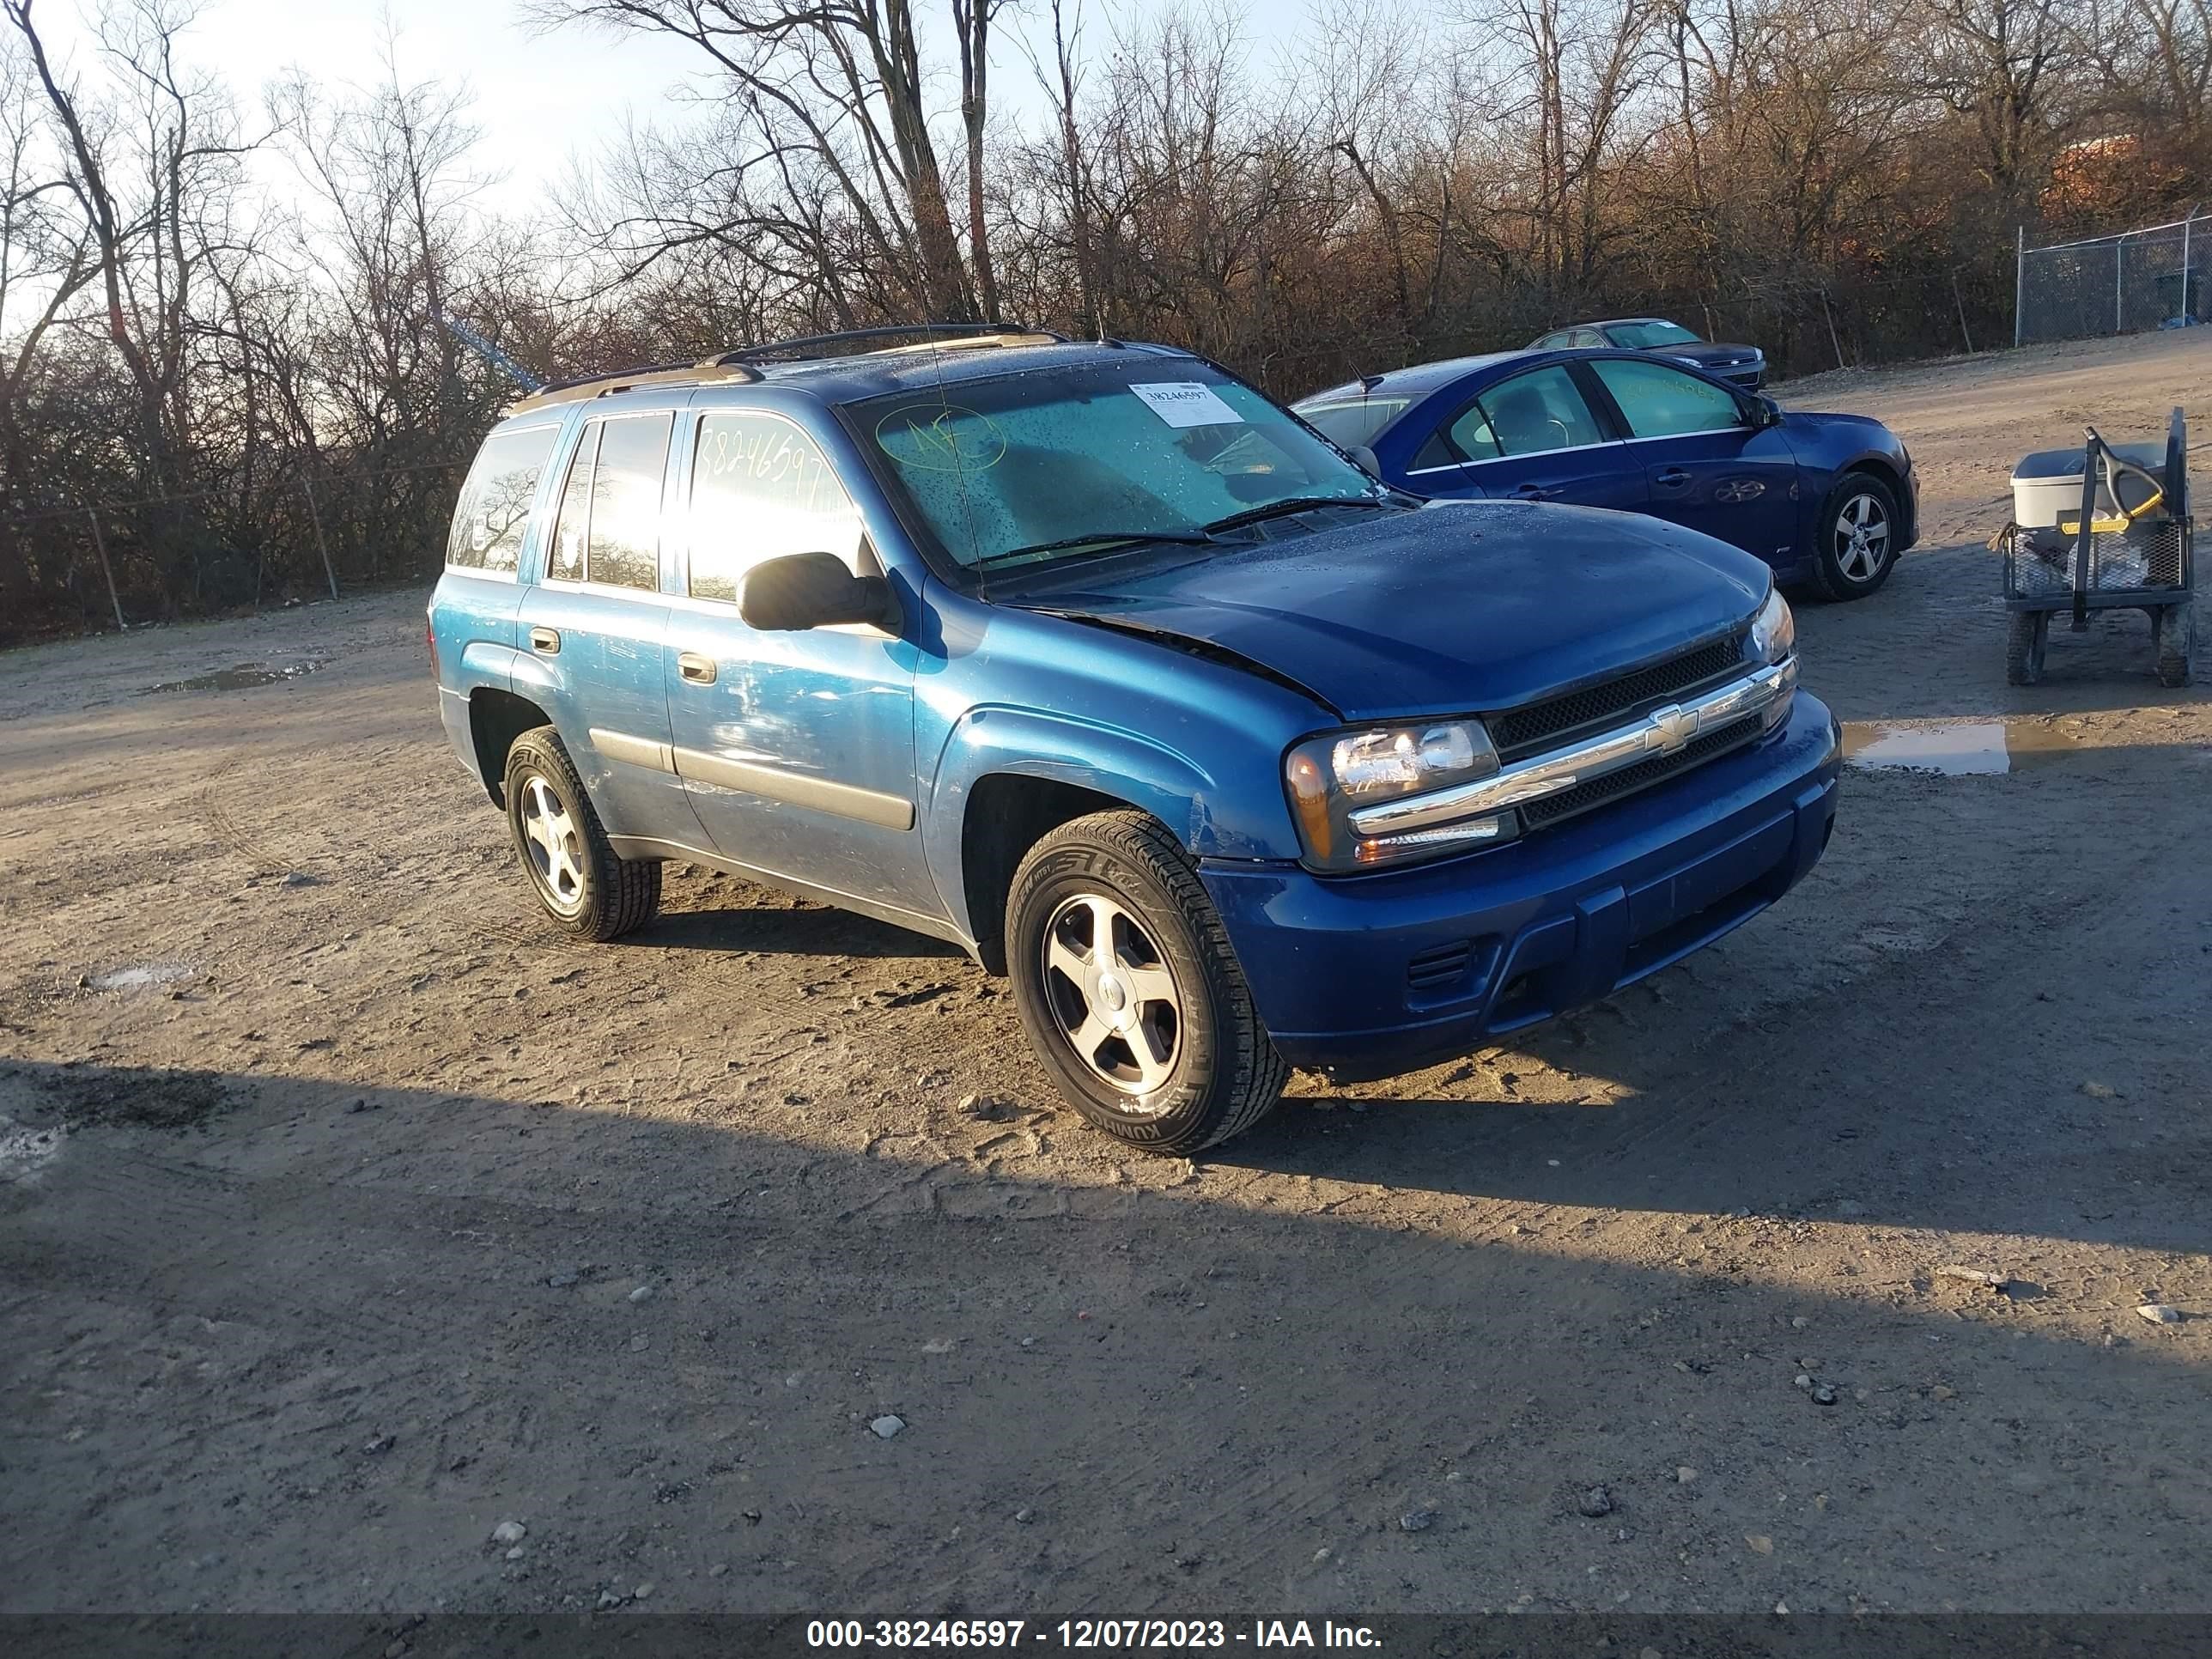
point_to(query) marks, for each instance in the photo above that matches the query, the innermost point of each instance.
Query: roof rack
(598, 385)
(803, 345)
(739, 365)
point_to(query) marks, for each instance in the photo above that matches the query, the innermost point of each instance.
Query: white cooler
(2047, 485)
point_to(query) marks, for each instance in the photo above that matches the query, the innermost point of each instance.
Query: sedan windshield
(1034, 468)
(1650, 336)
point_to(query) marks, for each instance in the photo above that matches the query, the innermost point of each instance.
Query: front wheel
(1857, 536)
(1128, 991)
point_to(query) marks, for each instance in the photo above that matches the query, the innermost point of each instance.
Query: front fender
(1178, 789)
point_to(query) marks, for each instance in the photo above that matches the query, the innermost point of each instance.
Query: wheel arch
(496, 719)
(1007, 777)
(1007, 813)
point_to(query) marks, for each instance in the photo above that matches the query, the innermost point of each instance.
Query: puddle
(1956, 749)
(239, 677)
(142, 977)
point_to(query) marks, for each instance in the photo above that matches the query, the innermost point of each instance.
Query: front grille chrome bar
(1665, 731)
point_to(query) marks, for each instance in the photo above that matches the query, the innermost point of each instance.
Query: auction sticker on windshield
(1188, 403)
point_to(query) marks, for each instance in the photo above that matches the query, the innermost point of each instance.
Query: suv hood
(1459, 608)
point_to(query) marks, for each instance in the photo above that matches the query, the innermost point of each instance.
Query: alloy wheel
(553, 844)
(1861, 538)
(1111, 994)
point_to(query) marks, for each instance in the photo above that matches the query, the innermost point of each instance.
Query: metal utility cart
(2099, 528)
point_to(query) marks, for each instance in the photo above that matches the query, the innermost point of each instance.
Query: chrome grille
(1642, 775)
(1518, 732)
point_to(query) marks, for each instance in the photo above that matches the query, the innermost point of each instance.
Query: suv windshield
(1031, 468)
(1647, 336)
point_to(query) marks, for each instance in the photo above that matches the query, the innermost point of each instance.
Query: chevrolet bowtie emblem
(1671, 727)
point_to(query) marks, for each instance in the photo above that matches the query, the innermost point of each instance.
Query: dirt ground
(346, 1213)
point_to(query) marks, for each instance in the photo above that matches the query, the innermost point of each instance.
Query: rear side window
(608, 528)
(1659, 402)
(761, 489)
(1527, 415)
(494, 504)
(1356, 421)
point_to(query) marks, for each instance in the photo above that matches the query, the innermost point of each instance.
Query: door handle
(699, 670)
(546, 640)
(1673, 477)
(1535, 492)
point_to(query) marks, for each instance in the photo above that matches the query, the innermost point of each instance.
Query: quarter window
(1531, 413)
(494, 504)
(1659, 402)
(609, 528)
(761, 489)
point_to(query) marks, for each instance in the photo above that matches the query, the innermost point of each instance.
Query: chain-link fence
(2125, 283)
(159, 558)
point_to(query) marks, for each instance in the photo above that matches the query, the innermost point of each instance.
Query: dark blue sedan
(1828, 500)
(1743, 365)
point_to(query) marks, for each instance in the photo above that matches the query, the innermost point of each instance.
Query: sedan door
(1713, 461)
(1532, 437)
(796, 747)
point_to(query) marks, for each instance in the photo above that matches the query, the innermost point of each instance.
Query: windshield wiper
(1095, 539)
(1296, 504)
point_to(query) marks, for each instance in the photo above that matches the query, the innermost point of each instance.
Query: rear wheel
(1857, 534)
(1128, 990)
(2024, 643)
(574, 870)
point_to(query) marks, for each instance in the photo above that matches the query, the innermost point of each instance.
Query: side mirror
(1766, 411)
(1365, 457)
(800, 591)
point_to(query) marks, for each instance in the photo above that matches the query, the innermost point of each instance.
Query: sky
(540, 98)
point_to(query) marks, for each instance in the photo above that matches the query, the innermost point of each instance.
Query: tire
(1845, 567)
(2177, 643)
(1171, 1080)
(578, 878)
(2024, 642)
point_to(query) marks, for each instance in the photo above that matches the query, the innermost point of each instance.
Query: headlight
(1773, 631)
(1329, 776)
(1774, 640)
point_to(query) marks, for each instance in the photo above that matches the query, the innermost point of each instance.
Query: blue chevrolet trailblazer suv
(1091, 659)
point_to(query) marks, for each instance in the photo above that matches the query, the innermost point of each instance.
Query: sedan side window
(761, 489)
(1541, 410)
(1660, 402)
(1586, 337)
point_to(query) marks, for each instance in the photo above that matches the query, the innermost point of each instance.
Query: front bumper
(1371, 976)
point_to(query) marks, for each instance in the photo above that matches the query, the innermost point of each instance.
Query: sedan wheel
(1863, 537)
(1858, 538)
